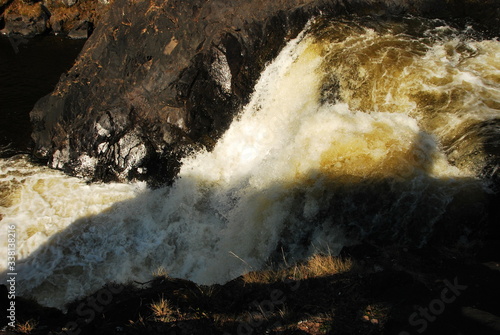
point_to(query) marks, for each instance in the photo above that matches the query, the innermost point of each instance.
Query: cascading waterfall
(354, 130)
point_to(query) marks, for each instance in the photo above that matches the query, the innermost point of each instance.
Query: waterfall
(351, 133)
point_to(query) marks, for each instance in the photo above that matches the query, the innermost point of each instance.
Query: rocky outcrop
(29, 18)
(373, 290)
(158, 78)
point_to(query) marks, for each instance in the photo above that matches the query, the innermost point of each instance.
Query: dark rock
(26, 25)
(59, 16)
(81, 31)
(149, 88)
(26, 309)
(57, 26)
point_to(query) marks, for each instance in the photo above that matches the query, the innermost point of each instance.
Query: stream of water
(356, 130)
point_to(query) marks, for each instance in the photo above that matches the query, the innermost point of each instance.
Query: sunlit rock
(179, 72)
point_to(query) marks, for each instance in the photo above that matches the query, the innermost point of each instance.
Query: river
(359, 129)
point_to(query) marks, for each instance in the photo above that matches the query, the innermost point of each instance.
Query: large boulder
(158, 79)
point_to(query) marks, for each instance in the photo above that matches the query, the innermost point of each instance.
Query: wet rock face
(150, 88)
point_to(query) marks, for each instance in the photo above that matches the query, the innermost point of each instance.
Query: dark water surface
(29, 69)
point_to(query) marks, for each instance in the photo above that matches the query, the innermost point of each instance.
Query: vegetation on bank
(57, 16)
(366, 290)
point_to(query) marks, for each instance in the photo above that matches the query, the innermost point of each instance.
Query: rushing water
(356, 129)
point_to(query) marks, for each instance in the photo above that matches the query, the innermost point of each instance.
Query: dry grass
(320, 266)
(316, 266)
(27, 327)
(83, 10)
(160, 272)
(323, 303)
(141, 322)
(264, 276)
(26, 9)
(208, 291)
(161, 310)
(65, 13)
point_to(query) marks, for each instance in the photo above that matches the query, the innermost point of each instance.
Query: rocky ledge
(148, 89)
(368, 290)
(75, 18)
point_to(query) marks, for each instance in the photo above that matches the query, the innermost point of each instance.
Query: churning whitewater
(351, 132)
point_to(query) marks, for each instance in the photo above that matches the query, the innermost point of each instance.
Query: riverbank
(366, 290)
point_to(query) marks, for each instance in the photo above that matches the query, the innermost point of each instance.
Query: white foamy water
(296, 171)
(43, 202)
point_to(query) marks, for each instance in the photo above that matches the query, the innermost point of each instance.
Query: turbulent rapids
(356, 130)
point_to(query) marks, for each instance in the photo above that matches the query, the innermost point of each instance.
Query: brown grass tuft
(65, 13)
(160, 272)
(316, 266)
(26, 327)
(161, 310)
(321, 265)
(264, 276)
(26, 9)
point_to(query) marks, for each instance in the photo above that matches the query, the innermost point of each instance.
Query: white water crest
(334, 145)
